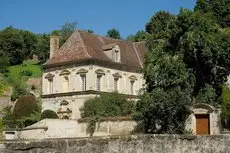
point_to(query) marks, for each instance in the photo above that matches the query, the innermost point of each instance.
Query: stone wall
(61, 128)
(123, 144)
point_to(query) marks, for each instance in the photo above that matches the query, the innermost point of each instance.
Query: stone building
(87, 65)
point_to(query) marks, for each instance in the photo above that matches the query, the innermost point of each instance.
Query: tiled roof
(84, 46)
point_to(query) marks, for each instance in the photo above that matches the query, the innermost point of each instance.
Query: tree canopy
(113, 33)
(16, 44)
(218, 9)
(188, 62)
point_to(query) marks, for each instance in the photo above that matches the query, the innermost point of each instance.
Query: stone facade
(75, 96)
(86, 66)
(123, 144)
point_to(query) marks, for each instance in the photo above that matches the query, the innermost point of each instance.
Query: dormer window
(112, 51)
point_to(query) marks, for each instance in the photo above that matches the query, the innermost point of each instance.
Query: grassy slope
(30, 65)
(13, 76)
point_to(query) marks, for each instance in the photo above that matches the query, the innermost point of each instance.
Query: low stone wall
(123, 144)
(60, 128)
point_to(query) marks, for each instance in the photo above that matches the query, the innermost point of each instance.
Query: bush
(4, 63)
(26, 73)
(162, 111)
(107, 105)
(49, 114)
(25, 106)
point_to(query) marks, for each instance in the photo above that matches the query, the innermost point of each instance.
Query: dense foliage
(49, 114)
(217, 9)
(107, 105)
(26, 111)
(188, 62)
(16, 44)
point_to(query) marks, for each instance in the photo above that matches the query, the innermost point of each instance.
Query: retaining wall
(123, 144)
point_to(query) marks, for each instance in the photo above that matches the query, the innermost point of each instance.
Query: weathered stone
(123, 144)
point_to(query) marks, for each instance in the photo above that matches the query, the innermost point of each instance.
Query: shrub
(26, 73)
(25, 106)
(162, 111)
(107, 105)
(48, 114)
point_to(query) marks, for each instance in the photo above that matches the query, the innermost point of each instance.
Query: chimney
(54, 45)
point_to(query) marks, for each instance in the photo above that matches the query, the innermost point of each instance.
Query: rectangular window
(131, 87)
(99, 82)
(50, 85)
(115, 84)
(83, 81)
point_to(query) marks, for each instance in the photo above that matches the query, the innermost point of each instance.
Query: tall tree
(219, 9)
(113, 33)
(16, 44)
(159, 22)
(42, 47)
(187, 63)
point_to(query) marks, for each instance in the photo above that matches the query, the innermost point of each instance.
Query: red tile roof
(82, 45)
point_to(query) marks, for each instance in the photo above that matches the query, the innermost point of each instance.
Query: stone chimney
(54, 45)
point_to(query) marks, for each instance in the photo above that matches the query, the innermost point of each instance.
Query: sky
(44, 16)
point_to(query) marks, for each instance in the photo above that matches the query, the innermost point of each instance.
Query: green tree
(113, 33)
(159, 22)
(107, 105)
(219, 9)
(16, 44)
(42, 47)
(187, 62)
(24, 108)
